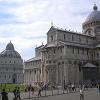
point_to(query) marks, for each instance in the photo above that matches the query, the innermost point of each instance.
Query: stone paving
(91, 94)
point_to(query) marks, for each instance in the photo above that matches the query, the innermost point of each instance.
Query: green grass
(11, 87)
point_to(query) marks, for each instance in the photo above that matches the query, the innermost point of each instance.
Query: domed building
(11, 65)
(68, 57)
(91, 26)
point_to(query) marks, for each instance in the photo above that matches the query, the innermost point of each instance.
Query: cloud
(26, 22)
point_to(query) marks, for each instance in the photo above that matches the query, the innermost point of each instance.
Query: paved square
(92, 94)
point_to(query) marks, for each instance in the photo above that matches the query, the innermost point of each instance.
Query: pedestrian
(32, 89)
(73, 87)
(4, 95)
(39, 92)
(81, 94)
(18, 94)
(99, 87)
(69, 88)
(15, 94)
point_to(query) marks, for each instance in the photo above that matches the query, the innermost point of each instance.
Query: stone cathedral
(68, 56)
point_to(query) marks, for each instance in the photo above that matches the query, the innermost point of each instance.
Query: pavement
(91, 94)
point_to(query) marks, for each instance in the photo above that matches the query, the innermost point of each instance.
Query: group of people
(70, 87)
(16, 94)
(4, 95)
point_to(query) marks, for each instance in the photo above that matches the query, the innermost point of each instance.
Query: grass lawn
(11, 87)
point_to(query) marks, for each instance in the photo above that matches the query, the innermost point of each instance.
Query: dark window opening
(64, 36)
(52, 38)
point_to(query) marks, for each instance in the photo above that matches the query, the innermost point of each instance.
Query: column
(57, 75)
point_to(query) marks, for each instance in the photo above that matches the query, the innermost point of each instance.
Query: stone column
(66, 69)
(57, 75)
(99, 70)
(28, 76)
(54, 75)
(62, 74)
(77, 75)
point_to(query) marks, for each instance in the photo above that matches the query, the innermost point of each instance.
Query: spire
(10, 41)
(10, 46)
(51, 24)
(95, 7)
(42, 43)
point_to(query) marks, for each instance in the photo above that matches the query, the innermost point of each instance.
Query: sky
(26, 22)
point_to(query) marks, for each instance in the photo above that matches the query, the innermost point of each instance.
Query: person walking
(81, 94)
(32, 89)
(15, 94)
(18, 94)
(73, 87)
(99, 87)
(39, 92)
(4, 95)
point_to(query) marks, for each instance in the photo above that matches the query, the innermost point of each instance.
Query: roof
(10, 46)
(10, 52)
(61, 43)
(39, 47)
(51, 45)
(89, 65)
(33, 59)
(93, 16)
(68, 31)
(76, 44)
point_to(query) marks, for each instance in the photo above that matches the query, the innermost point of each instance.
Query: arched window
(35, 71)
(40, 71)
(79, 39)
(72, 38)
(97, 55)
(64, 36)
(89, 32)
(5, 76)
(51, 37)
(6, 69)
(73, 50)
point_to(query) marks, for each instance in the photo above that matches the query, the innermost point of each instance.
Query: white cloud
(31, 20)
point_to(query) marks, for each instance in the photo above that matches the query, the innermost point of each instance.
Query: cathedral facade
(68, 57)
(11, 66)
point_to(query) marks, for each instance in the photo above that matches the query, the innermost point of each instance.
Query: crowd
(68, 87)
(17, 93)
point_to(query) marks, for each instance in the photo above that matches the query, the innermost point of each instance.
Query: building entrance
(14, 78)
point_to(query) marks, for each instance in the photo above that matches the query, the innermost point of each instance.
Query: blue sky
(26, 22)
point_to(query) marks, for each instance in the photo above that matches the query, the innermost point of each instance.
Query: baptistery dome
(11, 65)
(10, 51)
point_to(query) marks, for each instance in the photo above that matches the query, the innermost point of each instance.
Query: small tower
(94, 7)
